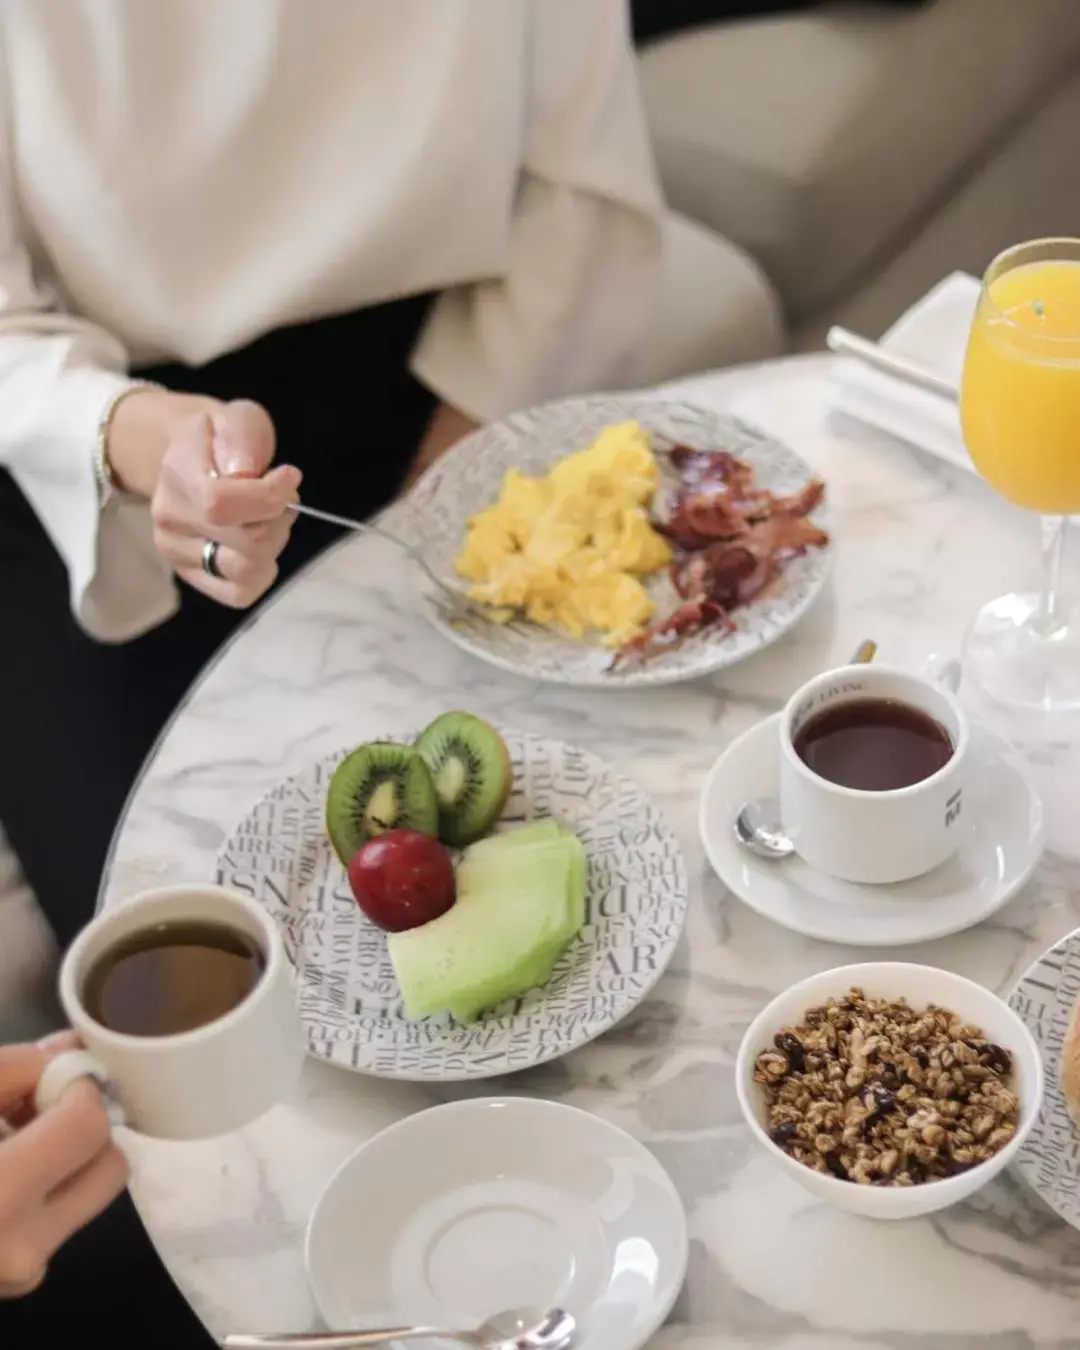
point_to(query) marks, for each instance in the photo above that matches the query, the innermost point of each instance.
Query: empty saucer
(1002, 843)
(457, 1212)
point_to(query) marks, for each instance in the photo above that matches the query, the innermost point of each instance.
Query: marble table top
(340, 656)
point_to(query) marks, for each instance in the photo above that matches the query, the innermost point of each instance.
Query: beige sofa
(860, 152)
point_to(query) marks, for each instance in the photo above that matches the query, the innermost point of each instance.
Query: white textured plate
(468, 1210)
(1050, 1159)
(436, 513)
(1002, 843)
(349, 998)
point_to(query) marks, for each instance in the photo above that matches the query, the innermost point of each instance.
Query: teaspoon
(518, 1329)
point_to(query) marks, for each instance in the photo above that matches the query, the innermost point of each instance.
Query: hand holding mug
(58, 1168)
(194, 1065)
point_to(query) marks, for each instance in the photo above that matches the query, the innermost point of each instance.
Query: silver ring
(209, 559)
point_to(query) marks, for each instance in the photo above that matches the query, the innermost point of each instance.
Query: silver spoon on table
(757, 824)
(518, 1329)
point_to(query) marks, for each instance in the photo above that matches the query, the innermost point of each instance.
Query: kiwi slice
(470, 767)
(379, 787)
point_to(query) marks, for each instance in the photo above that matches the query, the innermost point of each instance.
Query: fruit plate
(349, 999)
(435, 514)
(1044, 997)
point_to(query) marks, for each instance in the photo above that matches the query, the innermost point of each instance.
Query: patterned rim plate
(349, 1000)
(436, 512)
(1050, 1159)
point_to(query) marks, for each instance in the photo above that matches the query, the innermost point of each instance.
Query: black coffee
(875, 744)
(172, 978)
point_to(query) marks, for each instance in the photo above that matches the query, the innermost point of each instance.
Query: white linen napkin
(934, 333)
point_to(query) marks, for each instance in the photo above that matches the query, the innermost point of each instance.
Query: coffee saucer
(1003, 841)
(454, 1214)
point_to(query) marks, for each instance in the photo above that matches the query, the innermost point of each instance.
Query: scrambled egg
(569, 549)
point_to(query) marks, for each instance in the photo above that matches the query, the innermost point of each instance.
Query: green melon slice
(517, 908)
(539, 832)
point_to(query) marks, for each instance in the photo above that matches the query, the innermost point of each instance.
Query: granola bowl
(890, 1090)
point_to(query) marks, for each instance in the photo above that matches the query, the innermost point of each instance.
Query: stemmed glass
(1020, 410)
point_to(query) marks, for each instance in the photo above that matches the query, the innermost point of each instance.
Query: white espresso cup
(197, 1083)
(876, 837)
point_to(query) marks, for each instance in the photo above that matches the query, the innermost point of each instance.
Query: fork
(461, 604)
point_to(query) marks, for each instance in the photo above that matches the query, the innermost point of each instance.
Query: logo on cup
(953, 807)
(839, 689)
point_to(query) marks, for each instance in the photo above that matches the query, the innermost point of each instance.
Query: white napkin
(933, 333)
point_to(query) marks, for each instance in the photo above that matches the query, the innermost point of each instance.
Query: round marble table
(340, 656)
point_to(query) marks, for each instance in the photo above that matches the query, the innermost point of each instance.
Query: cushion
(716, 308)
(817, 142)
(1021, 192)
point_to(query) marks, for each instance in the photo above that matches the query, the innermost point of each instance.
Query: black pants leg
(655, 18)
(77, 719)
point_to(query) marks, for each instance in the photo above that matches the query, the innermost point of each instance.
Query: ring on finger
(209, 559)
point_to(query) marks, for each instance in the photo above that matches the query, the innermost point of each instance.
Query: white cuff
(119, 585)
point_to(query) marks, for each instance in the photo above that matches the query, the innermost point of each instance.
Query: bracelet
(104, 477)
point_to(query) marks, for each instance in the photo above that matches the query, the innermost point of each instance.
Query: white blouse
(179, 176)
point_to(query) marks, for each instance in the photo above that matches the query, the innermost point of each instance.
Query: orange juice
(1020, 395)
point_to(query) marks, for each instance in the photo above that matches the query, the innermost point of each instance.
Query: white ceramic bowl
(920, 985)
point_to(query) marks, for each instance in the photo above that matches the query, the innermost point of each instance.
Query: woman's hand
(206, 468)
(57, 1170)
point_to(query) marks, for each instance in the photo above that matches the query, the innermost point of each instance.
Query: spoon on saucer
(757, 825)
(760, 830)
(518, 1329)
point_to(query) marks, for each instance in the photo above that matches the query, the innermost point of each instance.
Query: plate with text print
(1050, 1159)
(435, 515)
(349, 1000)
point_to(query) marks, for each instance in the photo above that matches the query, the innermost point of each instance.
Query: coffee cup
(193, 1083)
(881, 834)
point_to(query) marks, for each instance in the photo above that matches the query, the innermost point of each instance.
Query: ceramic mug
(194, 1084)
(876, 837)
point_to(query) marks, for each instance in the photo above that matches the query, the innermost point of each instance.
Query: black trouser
(77, 718)
(654, 18)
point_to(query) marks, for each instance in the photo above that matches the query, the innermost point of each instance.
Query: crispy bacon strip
(730, 575)
(713, 573)
(709, 466)
(755, 583)
(800, 503)
(788, 535)
(717, 497)
(691, 617)
(700, 518)
(732, 539)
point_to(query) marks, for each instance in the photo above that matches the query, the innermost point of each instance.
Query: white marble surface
(340, 657)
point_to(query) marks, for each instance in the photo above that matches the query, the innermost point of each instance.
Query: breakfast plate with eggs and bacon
(620, 541)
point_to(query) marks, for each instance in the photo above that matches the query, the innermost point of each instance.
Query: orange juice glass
(1020, 411)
